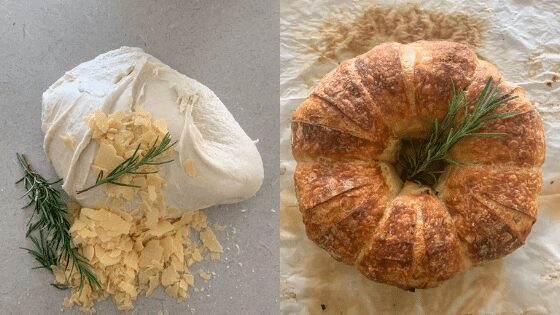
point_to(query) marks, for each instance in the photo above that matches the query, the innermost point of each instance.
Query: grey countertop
(230, 46)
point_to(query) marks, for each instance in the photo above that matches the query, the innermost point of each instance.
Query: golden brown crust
(343, 89)
(321, 130)
(382, 74)
(438, 66)
(317, 182)
(524, 143)
(493, 208)
(346, 238)
(414, 246)
(315, 141)
(357, 114)
(341, 204)
(316, 111)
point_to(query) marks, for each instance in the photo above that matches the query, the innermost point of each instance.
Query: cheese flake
(151, 253)
(169, 276)
(204, 275)
(107, 158)
(161, 125)
(101, 121)
(110, 221)
(188, 165)
(68, 141)
(210, 241)
(161, 228)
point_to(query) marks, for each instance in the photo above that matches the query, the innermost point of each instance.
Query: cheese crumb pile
(132, 245)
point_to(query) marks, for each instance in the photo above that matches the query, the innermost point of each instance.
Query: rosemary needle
(419, 162)
(54, 245)
(133, 163)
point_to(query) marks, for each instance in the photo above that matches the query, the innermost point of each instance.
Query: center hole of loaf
(429, 176)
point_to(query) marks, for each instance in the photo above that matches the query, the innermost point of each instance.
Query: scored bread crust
(346, 135)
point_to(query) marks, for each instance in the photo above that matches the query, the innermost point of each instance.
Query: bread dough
(228, 165)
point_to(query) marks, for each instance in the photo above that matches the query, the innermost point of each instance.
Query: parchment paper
(522, 38)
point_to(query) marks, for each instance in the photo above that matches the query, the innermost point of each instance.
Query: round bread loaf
(346, 137)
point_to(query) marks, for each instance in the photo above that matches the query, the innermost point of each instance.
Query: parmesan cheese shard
(101, 121)
(161, 126)
(161, 228)
(152, 192)
(133, 252)
(104, 258)
(88, 252)
(68, 141)
(151, 255)
(204, 275)
(188, 165)
(110, 222)
(189, 279)
(169, 276)
(107, 158)
(210, 241)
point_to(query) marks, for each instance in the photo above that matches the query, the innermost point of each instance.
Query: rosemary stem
(86, 189)
(133, 163)
(55, 242)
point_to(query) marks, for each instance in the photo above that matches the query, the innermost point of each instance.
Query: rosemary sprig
(133, 163)
(54, 245)
(421, 162)
(44, 252)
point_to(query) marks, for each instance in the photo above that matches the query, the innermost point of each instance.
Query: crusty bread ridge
(347, 134)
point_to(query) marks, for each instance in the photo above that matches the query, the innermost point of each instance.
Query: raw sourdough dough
(228, 167)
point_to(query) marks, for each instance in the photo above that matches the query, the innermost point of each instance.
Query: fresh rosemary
(54, 245)
(421, 162)
(133, 163)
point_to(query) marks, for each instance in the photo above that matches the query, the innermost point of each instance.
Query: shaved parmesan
(107, 158)
(188, 165)
(134, 251)
(210, 241)
(68, 141)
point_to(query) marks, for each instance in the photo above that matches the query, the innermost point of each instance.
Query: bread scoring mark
(342, 88)
(320, 218)
(486, 205)
(316, 111)
(346, 239)
(415, 244)
(339, 201)
(382, 75)
(311, 141)
(388, 255)
(443, 254)
(439, 68)
(317, 182)
(486, 236)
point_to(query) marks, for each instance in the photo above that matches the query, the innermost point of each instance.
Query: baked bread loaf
(346, 138)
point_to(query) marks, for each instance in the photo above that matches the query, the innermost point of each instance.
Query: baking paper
(522, 39)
